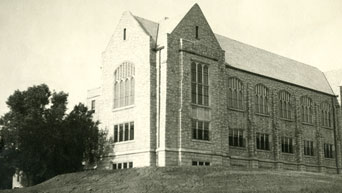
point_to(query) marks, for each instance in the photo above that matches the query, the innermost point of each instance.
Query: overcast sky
(60, 42)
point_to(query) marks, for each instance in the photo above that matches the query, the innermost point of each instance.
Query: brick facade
(163, 110)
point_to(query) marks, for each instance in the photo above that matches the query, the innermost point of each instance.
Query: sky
(59, 43)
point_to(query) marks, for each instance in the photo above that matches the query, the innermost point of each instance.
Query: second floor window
(235, 93)
(326, 114)
(199, 84)
(262, 141)
(261, 99)
(124, 85)
(93, 105)
(307, 109)
(200, 129)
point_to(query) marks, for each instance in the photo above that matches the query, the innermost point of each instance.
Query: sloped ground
(188, 179)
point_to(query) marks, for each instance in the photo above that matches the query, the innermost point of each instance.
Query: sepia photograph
(161, 96)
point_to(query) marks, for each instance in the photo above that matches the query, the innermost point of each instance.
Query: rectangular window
(124, 34)
(124, 165)
(120, 166)
(328, 151)
(93, 105)
(130, 165)
(199, 84)
(197, 32)
(308, 148)
(286, 145)
(114, 167)
(200, 163)
(124, 132)
(200, 129)
(262, 141)
(236, 138)
(121, 132)
(115, 133)
(131, 133)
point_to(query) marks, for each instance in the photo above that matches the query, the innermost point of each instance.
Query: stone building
(175, 93)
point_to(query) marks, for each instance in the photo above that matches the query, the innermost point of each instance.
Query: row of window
(124, 132)
(200, 163)
(285, 107)
(236, 138)
(124, 165)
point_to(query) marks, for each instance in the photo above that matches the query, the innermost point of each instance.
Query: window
(124, 132)
(200, 163)
(93, 105)
(200, 129)
(123, 165)
(284, 105)
(236, 138)
(307, 109)
(124, 85)
(326, 114)
(286, 145)
(197, 36)
(235, 93)
(262, 141)
(328, 151)
(124, 34)
(199, 84)
(308, 148)
(261, 99)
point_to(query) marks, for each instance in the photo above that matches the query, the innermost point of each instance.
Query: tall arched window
(284, 105)
(235, 93)
(326, 114)
(307, 109)
(124, 85)
(199, 84)
(261, 99)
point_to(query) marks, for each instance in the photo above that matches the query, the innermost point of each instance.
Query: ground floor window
(200, 129)
(328, 150)
(236, 138)
(262, 141)
(308, 148)
(286, 145)
(124, 132)
(200, 163)
(124, 165)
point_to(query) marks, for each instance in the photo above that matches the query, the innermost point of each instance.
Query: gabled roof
(259, 61)
(249, 58)
(335, 79)
(150, 27)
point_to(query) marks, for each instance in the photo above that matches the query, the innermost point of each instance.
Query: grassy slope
(188, 179)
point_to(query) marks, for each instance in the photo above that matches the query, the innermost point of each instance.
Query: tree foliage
(42, 140)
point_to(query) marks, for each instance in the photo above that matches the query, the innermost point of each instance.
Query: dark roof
(149, 26)
(259, 61)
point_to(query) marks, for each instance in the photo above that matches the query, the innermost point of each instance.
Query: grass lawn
(189, 179)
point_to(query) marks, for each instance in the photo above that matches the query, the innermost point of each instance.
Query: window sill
(309, 156)
(325, 127)
(202, 141)
(263, 115)
(310, 124)
(123, 142)
(123, 108)
(201, 106)
(286, 153)
(234, 109)
(329, 158)
(237, 147)
(263, 150)
(285, 119)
